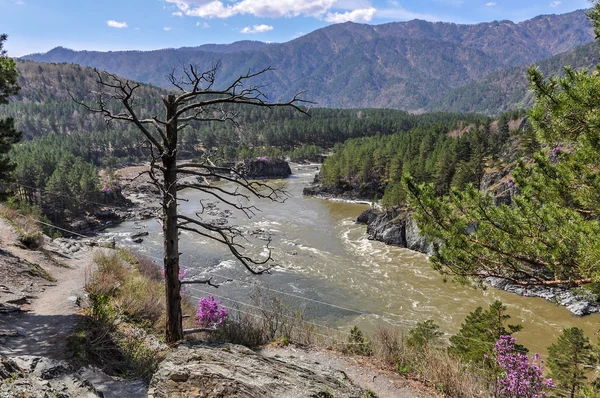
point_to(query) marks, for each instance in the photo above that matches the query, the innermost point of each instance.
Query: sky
(112, 25)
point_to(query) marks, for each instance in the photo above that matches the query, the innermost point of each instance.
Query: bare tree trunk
(174, 327)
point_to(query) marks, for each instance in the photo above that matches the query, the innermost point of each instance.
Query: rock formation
(202, 371)
(264, 167)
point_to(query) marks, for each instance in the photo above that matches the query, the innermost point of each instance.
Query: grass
(122, 333)
(24, 221)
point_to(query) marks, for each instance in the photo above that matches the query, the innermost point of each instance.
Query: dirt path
(384, 384)
(52, 312)
(50, 315)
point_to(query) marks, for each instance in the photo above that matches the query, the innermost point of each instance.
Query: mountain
(44, 104)
(509, 88)
(401, 65)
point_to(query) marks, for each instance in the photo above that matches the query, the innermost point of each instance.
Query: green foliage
(550, 233)
(358, 344)
(444, 149)
(425, 335)
(8, 87)
(479, 332)
(311, 153)
(569, 360)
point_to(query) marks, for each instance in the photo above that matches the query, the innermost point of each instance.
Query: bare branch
(208, 282)
(226, 236)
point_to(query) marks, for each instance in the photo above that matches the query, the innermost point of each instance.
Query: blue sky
(40, 25)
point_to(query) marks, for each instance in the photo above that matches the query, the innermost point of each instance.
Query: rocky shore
(397, 227)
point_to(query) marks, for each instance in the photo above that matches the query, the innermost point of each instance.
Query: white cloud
(203, 24)
(555, 4)
(363, 15)
(257, 29)
(259, 8)
(490, 4)
(137, 28)
(177, 14)
(114, 24)
(167, 28)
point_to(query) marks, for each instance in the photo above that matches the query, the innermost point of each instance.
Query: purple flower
(263, 159)
(519, 377)
(209, 313)
(555, 153)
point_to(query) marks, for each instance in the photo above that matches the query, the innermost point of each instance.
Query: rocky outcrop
(37, 377)
(265, 168)
(343, 191)
(398, 228)
(395, 227)
(235, 371)
(41, 377)
(562, 295)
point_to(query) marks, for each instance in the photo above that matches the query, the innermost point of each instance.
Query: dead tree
(196, 98)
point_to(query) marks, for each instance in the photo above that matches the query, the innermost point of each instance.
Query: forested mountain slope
(509, 89)
(45, 104)
(401, 65)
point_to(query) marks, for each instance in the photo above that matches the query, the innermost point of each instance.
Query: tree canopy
(8, 86)
(549, 234)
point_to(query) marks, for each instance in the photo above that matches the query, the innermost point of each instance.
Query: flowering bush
(210, 313)
(518, 377)
(556, 152)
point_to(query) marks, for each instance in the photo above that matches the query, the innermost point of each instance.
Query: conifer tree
(568, 359)
(479, 332)
(8, 86)
(550, 235)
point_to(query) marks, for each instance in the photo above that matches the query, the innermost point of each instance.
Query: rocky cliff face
(265, 168)
(398, 228)
(395, 227)
(232, 370)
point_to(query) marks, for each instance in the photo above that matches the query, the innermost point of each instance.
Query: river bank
(38, 321)
(397, 227)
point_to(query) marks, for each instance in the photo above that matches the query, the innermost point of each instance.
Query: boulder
(204, 371)
(265, 168)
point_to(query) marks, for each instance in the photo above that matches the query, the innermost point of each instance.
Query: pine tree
(479, 332)
(550, 235)
(568, 359)
(8, 86)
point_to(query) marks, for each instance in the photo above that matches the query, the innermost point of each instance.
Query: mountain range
(414, 65)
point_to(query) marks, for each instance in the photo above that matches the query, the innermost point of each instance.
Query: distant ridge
(406, 65)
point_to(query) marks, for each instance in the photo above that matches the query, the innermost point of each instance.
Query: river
(324, 257)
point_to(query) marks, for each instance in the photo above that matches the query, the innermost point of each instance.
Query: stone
(140, 234)
(205, 371)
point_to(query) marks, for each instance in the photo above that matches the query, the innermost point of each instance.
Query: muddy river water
(325, 257)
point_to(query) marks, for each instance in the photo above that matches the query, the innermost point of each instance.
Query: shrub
(210, 313)
(424, 336)
(518, 378)
(357, 344)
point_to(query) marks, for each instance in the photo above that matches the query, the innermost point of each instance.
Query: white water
(325, 257)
